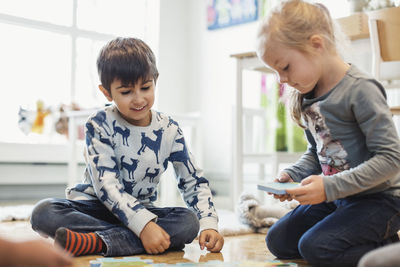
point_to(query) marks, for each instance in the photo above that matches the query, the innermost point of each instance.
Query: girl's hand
(311, 191)
(284, 177)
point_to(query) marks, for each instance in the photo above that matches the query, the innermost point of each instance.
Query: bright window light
(56, 12)
(49, 53)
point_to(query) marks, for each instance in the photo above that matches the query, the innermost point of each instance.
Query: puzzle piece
(136, 261)
(114, 262)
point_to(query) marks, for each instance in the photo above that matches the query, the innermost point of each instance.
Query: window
(49, 50)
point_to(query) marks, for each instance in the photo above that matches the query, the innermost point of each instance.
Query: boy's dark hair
(126, 59)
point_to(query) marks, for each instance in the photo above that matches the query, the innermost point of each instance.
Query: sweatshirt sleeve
(104, 172)
(308, 164)
(368, 104)
(192, 185)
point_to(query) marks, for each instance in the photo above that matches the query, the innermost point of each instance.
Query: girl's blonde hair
(291, 24)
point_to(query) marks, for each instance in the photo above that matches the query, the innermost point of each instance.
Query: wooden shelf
(355, 26)
(395, 110)
(250, 61)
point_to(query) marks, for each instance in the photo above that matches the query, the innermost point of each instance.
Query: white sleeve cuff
(139, 220)
(208, 223)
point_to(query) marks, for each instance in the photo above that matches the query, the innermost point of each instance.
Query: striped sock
(79, 244)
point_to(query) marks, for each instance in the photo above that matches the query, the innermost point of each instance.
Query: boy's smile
(133, 101)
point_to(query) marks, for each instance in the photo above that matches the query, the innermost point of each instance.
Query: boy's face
(133, 101)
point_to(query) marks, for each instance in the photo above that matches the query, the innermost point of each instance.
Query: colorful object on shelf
(33, 121)
(136, 261)
(41, 113)
(280, 134)
(25, 119)
(61, 124)
(286, 135)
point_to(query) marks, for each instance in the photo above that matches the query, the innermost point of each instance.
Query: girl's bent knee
(274, 245)
(314, 252)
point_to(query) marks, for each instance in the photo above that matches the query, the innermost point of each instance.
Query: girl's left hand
(311, 191)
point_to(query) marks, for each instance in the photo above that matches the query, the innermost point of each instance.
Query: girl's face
(133, 101)
(297, 69)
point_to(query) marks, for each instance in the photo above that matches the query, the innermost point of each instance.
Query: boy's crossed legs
(88, 216)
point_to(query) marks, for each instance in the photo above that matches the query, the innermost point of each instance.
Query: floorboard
(237, 248)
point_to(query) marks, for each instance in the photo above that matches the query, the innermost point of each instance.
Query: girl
(350, 180)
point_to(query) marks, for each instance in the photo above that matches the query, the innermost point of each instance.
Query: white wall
(174, 48)
(197, 63)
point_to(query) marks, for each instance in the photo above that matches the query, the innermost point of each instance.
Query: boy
(128, 146)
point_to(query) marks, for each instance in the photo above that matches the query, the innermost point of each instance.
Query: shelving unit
(250, 61)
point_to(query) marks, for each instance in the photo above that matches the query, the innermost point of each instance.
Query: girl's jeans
(336, 233)
(86, 216)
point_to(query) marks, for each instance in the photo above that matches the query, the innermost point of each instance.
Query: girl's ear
(105, 93)
(317, 42)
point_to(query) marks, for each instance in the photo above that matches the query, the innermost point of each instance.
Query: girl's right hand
(284, 177)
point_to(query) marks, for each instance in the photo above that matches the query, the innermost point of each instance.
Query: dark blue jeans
(338, 233)
(86, 216)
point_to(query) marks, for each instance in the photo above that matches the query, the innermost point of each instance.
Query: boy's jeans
(338, 233)
(86, 216)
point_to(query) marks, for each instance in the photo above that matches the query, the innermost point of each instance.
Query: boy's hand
(311, 191)
(212, 240)
(154, 239)
(284, 177)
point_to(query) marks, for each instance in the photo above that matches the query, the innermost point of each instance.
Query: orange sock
(79, 244)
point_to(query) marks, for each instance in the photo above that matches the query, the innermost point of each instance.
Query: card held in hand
(276, 187)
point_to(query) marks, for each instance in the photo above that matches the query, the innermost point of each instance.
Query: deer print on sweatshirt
(123, 132)
(153, 145)
(125, 163)
(182, 155)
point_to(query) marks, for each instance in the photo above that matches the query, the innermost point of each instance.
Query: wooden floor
(237, 248)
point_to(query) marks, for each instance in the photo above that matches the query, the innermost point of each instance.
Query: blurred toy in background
(61, 125)
(41, 113)
(38, 122)
(62, 122)
(32, 120)
(25, 119)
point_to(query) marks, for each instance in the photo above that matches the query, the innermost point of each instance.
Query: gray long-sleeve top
(352, 139)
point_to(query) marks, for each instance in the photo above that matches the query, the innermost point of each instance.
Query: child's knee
(189, 226)
(193, 225)
(42, 216)
(277, 243)
(313, 251)
(273, 243)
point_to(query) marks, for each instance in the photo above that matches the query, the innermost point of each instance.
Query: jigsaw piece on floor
(127, 261)
(136, 261)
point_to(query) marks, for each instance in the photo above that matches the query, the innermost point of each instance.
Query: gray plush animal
(259, 216)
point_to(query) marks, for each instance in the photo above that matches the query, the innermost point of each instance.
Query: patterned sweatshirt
(352, 139)
(124, 164)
